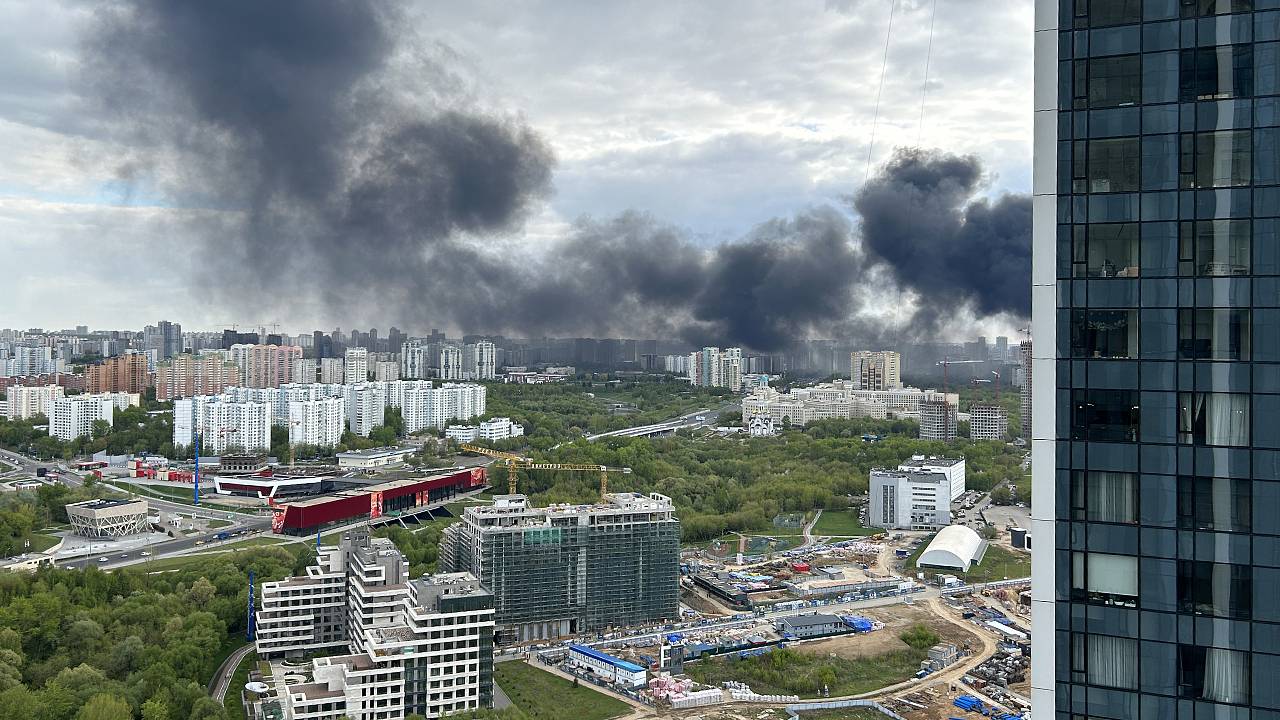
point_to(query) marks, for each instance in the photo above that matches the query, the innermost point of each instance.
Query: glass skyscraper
(1156, 321)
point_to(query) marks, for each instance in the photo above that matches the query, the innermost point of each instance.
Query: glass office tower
(1156, 404)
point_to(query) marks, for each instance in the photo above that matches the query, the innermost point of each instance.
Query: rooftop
(314, 691)
(930, 461)
(105, 504)
(811, 620)
(377, 452)
(517, 505)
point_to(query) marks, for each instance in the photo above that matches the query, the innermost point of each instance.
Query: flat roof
(376, 452)
(104, 504)
(314, 691)
(603, 657)
(931, 461)
(811, 620)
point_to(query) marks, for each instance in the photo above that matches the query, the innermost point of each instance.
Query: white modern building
(356, 365)
(480, 361)
(875, 369)
(425, 407)
(496, 429)
(374, 458)
(415, 360)
(910, 499)
(73, 417)
(839, 399)
(108, 518)
(317, 422)
(953, 468)
(988, 421)
(451, 362)
(222, 422)
(26, 402)
(419, 646)
(955, 547)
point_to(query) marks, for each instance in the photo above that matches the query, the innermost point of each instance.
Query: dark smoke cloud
(369, 179)
(920, 216)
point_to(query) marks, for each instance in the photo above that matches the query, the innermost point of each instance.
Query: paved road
(218, 686)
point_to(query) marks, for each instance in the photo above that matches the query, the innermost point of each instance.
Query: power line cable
(924, 85)
(884, 65)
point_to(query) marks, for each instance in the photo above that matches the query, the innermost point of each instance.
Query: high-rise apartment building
(25, 402)
(357, 366)
(875, 369)
(1026, 355)
(416, 646)
(73, 417)
(415, 360)
(386, 370)
(567, 569)
(450, 362)
(304, 371)
(423, 406)
(186, 376)
(317, 422)
(365, 406)
(222, 423)
(125, 373)
(332, 371)
(988, 421)
(480, 361)
(1156, 568)
(714, 367)
(29, 360)
(269, 366)
(938, 420)
(165, 338)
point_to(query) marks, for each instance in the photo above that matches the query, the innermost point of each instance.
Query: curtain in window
(1226, 418)
(1113, 574)
(1226, 676)
(1224, 509)
(1113, 661)
(1110, 497)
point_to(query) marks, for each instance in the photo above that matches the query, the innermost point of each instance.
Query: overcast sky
(712, 116)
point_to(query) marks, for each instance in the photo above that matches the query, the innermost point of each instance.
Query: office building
(317, 422)
(988, 421)
(186, 375)
(495, 429)
(1154, 417)
(125, 373)
(567, 569)
(875, 370)
(451, 362)
(910, 499)
(223, 423)
(838, 399)
(108, 518)
(938, 420)
(357, 366)
(26, 402)
(73, 417)
(953, 468)
(414, 646)
(332, 371)
(479, 361)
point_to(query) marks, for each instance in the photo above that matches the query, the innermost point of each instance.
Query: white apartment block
(953, 468)
(713, 367)
(317, 422)
(415, 361)
(223, 422)
(304, 371)
(988, 421)
(909, 500)
(451, 363)
(27, 360)
(365, 404)
(357, 366)
(386, 371)
(121, 400)
(416, 646)
(25, 402)
(332, 371)
(875, 370)
(938, 420)
(73, 417)
(424, 407)
(480, 361)
(495, 429)
(678, 364)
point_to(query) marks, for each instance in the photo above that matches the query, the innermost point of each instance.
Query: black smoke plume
(369, 184)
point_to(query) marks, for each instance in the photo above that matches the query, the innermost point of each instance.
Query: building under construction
(565, 569)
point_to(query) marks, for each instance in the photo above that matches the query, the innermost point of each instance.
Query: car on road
(144, 553)
(124, 555)
(102, 559)
(199, 542)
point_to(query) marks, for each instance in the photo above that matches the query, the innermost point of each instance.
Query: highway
(709, 419)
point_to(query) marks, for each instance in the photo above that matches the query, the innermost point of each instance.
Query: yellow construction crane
(514, 462)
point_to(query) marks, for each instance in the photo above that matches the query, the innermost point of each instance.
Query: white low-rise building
(838, 399)
(374, 458)
(495, 429)
(910, 499)
(953, 468)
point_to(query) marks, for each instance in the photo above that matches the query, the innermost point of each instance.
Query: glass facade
(1164, 323)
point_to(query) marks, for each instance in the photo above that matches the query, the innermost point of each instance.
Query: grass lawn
(177, 494)
(842, 523)
(41, 542)
(787, 672)
(542, 695)
(852, 713)
(183, 562)
(215, 524)
(998, 564)
(1023, 485)
(235, 708)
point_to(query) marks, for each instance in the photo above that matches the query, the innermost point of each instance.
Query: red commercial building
(398, 497)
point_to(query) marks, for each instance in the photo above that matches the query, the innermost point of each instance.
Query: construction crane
(947, 362)
(514, 462)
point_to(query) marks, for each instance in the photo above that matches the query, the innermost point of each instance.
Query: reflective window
(1108, 82)
(1215, 159)
(1214, 248)
(1213, 418)
(1214, 674)
(1100, 13)
(1098, 496)
(1104, 333)
(1105, 250)
(1104, 660)
(1213, 334)
(1216, 73)
(1218, 504)
(1105, 579)
(1201, 8)
(1104, 415)
(1113, 165)
(1217, 589)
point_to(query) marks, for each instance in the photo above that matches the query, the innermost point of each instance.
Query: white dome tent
(955, 547)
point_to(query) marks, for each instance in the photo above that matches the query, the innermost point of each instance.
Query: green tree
(105, 707)
(919, 637)
(155, 709)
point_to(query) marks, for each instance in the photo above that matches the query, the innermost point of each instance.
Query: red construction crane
(946, 362)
